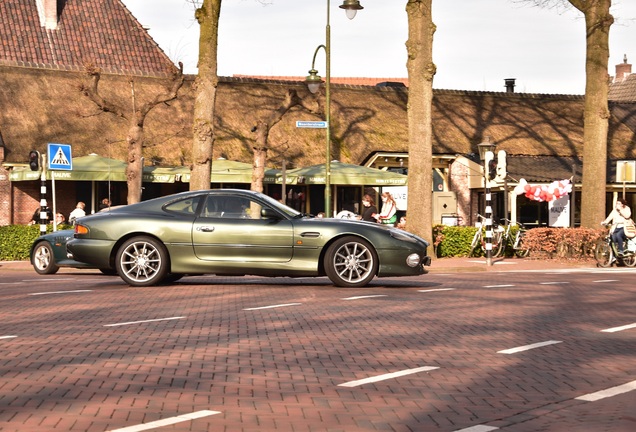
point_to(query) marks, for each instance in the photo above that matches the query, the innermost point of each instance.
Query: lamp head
(484, 147)
(313, 81)
(351, 7)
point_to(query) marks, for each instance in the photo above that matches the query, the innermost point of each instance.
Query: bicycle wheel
(520, 251)
(499, 242)
(475, 243)
(629, 260)
(603, 254)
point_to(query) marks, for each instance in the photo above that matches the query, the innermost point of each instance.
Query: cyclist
(617, 219)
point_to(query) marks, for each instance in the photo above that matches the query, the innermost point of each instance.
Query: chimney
(623, 69)
(510, 84)
(47, 9)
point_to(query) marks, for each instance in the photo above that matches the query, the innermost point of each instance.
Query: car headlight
(413, 260)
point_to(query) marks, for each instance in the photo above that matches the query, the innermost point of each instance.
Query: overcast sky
(477, 45)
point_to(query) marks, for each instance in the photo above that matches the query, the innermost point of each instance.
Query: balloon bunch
(551, 192)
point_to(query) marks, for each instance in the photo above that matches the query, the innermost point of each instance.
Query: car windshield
(280, 206)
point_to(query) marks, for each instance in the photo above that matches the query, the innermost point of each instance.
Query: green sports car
(240, 232)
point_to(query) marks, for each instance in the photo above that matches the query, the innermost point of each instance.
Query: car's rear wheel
(142, 261)
(351, 262)
(43, 259)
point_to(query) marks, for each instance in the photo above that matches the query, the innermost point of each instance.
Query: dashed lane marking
(60, 292)
(143, 321)
(528, 347)
(498, 286)
(167, 421)
(613, 391)
(7, 337)
(553, 283)
(364, 297)
(272, 306)
(478, 428)
(621, 328)
(436, 289)
(387, 376)
(605, 280)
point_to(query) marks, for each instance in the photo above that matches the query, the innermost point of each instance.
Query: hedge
(16, 240)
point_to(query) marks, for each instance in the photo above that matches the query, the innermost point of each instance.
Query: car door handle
(205, 229)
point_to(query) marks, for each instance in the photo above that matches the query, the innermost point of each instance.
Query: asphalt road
(472, 352)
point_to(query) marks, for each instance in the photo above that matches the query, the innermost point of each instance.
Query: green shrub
(16, 240)
(452, 241)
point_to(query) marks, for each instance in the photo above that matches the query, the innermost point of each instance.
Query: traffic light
(34, 160)
(490, 166)
(501, 166)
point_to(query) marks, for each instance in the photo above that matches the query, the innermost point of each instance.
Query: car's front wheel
(43, 259)
(351, 262)
(142, 261)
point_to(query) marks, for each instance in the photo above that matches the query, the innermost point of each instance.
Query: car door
(230, 228)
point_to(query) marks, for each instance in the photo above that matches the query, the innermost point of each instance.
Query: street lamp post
(313, 81)
(486, 154)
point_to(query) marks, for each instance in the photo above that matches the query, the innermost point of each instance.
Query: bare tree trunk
(205, 87)
(598, 21)
(134, 169)
(421, 70)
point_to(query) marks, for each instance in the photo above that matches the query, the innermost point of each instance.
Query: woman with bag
(389, 208)
(618, 218)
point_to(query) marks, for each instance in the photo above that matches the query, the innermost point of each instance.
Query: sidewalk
(478, 264)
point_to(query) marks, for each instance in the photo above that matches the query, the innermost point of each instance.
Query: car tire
(43, 260)
(142, 261)
(350, 262)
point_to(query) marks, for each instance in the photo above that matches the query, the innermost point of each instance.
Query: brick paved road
(84, 352)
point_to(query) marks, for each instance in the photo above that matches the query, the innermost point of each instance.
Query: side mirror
(268, 213)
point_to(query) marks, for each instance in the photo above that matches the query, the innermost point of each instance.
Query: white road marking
(478, 428)
(168, 421)
(48, 279)
(613, 391)
(606, 280)
(387, 376)
(621, 328)
(553, 283)
(144, 321)
(436, 289)
(7, 337)
(497, 286)
(59, 292)
(364, 297)
(528, 347)
(272, 306)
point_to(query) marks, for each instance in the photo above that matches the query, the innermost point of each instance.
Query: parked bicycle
(479, 239)
(606, 253)
(515, 241)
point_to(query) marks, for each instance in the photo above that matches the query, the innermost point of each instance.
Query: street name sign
(311, 124)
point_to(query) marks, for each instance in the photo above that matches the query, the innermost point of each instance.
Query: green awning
(226, 171)
(346, 174)
(95, 168)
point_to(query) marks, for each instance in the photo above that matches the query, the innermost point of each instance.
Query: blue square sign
(59, 156)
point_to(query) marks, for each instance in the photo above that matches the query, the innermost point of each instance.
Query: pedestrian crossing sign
(59, 156)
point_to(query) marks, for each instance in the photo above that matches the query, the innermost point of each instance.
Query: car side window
(185, 206)
(231, 207)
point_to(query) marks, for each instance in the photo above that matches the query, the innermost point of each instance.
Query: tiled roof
(102, 33)
(389, 82)
(623, 91)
